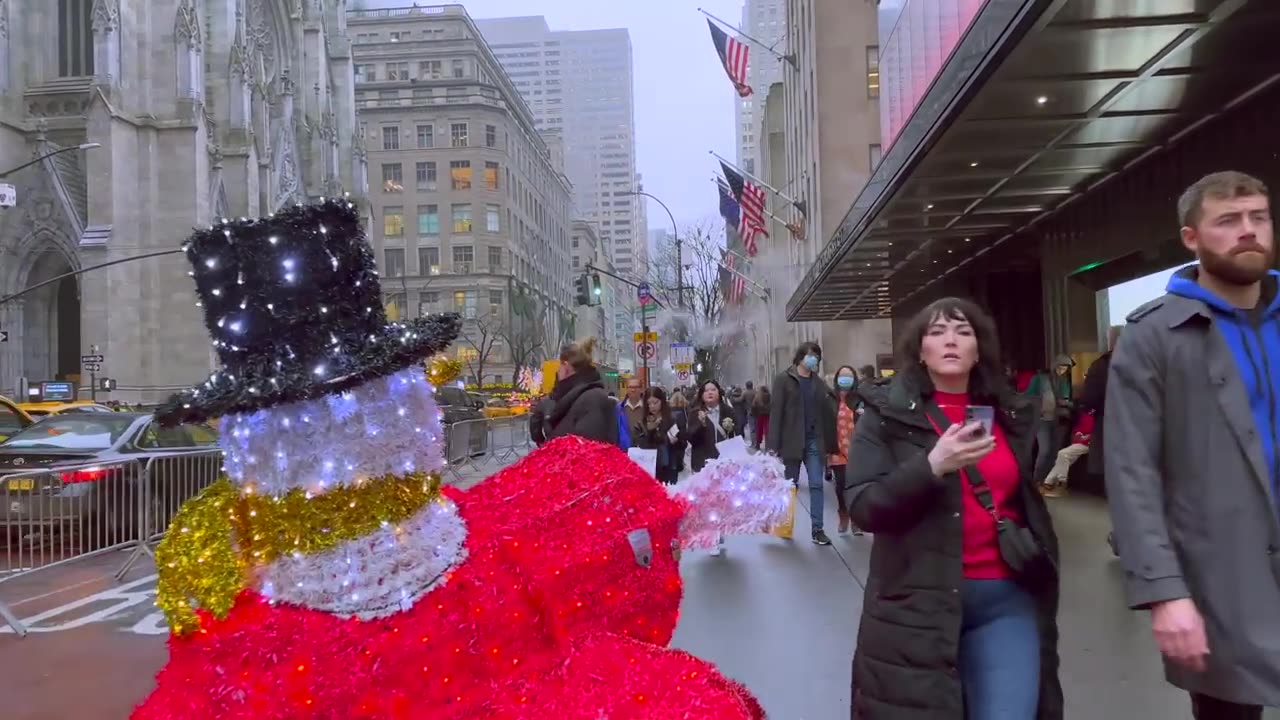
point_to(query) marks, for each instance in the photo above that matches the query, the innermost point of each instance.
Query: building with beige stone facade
(819, 140)
(199, 109)
(471, 212)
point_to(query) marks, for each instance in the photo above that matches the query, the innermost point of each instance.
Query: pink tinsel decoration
(732, 496)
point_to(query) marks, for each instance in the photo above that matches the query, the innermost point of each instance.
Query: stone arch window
(75, 38)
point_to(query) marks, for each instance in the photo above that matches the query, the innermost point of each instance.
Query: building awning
(1041, 102)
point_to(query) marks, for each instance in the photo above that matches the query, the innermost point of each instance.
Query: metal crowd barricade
(502, 439)
(53, 517)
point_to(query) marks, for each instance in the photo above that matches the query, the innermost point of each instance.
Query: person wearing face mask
(802, 427)
(846, 414)
(959, 615)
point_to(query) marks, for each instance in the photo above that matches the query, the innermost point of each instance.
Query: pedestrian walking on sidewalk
(1192, 458)
(580, 404)
(659, 431)
(802, 427)
(710, 422)
(846, 404)
(959, 617)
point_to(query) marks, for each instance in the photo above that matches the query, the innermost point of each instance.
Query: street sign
(106, 384)
(641, 337)
(8, 195)
(644, 293)
(684, 375)
(4, 336)
(682, 356)
(91, 358)
(646, 350)
(92, 366)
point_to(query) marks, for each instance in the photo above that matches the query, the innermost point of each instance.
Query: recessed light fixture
(929, 206)
(1042, 99)
(966, 239)
(973, 164)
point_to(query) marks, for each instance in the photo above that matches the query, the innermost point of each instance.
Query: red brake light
(86, 475)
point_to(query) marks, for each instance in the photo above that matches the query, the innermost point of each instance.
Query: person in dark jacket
(658, 430)
(710, 421)
(1093, 396)
(582, 405)
(539, 420)
(802, 427)
(948, 632)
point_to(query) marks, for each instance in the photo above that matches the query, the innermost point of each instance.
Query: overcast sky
(684, 102)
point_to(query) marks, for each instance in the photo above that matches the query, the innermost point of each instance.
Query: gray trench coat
(1191, 497)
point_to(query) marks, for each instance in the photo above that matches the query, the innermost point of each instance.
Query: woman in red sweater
(953, 626)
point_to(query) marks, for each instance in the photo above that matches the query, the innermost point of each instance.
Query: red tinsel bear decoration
(551, 615)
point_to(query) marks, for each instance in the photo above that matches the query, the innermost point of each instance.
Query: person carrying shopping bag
(658, 430)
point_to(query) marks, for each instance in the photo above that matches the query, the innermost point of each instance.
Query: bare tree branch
(483, 335)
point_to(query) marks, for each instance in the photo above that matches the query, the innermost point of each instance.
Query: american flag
(736, 285)
(752, 201)
(729, 208)
(733, 55)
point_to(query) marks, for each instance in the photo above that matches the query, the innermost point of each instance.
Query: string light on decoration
(733, 496)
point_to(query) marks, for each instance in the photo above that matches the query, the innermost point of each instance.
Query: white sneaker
(718, 550)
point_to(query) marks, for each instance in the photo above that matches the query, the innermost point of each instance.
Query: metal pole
(675, 232)
(73, 273)
(46, 156)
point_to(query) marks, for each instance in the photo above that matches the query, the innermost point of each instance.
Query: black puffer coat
(905, 664)
(583, 407)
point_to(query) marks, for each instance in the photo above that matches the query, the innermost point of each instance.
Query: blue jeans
(1046, 448)
(815, 468)
(999, 651)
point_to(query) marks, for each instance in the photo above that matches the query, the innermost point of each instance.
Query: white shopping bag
(735, 447)
(647, 459)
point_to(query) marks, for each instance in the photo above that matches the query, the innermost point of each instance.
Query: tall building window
(75, 38)
(392, 178)
(460, 174)
(491, 222)
(391, 137)
(428, 220)
(366, 73)
(491, 175)
(464, 302)
(458, 134)
(873, 72)
(459, 68)
(428, 302)
(426, 136)
(425, 174)
(398, 71)
(429, 261)
(429, 70)
(495, 259)
(490, 136)
(393, 262)
(461, 213)
(495, 302)
(874, 156)
(463, 256)
(392, 221)
(397, 301)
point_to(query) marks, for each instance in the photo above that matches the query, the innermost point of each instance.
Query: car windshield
(72, 432)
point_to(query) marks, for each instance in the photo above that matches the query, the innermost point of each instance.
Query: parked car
(12, 418)
(83, 470)
(457, 405)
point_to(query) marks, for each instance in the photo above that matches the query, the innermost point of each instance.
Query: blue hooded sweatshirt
(1254, 338)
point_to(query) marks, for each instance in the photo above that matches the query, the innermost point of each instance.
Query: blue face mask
(844, 382)
(811, 362)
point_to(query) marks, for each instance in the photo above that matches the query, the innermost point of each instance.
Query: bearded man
(1193, 456)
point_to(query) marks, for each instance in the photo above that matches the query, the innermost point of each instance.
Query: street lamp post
(46, 156)
(679, 244)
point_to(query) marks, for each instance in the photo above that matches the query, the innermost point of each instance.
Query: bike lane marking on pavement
(123, 597)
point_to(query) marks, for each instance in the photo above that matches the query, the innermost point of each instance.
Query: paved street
(777, 615)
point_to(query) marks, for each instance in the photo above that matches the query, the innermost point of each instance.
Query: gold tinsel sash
(217, 537)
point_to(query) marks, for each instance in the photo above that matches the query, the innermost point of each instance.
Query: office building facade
(765, 20)
(470, 212)
(579, 85)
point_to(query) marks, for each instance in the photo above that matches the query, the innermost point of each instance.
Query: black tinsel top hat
(294, 307)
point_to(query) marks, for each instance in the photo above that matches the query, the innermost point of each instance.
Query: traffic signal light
(580, 290)
(597, 290)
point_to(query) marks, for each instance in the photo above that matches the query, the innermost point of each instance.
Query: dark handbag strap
(981, 490)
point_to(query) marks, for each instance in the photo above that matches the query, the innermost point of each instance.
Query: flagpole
(789, 58)
(753, 283)
(798, 205)
(718, 181)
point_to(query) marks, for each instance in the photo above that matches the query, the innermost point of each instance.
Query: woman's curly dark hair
(987, 382)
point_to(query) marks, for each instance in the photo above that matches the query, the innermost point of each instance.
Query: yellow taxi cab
(497, 408)
(41, 409)
(12, 418)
